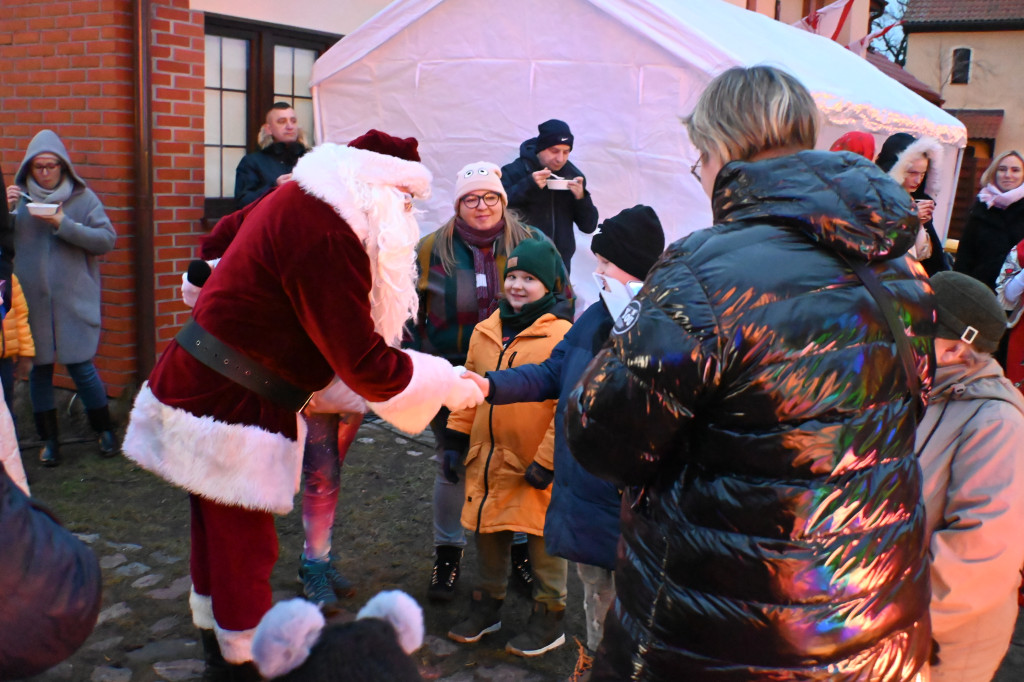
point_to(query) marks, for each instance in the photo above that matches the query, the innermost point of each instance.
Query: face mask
(615, 294)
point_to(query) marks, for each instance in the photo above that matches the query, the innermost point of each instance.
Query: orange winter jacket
(505, 439)
(17, 337)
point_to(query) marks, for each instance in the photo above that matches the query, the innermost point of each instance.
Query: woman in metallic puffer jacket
(753, 402)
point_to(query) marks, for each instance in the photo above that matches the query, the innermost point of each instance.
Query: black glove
(450, 465)
(539, 477)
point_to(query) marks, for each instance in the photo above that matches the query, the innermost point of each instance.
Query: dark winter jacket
(258, 171)
(50, 587)
(752, 399)
(551, 211)
(989, 235)
(582, 524)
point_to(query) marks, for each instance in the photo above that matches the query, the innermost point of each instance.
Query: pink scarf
(995, 198)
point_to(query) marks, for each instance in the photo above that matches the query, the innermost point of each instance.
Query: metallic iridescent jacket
(753, 402)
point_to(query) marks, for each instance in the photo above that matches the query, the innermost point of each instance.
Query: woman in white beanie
(459, 285)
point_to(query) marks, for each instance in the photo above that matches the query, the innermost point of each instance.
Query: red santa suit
(318, 282)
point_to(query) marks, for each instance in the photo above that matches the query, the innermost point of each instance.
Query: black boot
(445, 573)
(46, 425)
(217, 669)
(522, 570)
(99, 420)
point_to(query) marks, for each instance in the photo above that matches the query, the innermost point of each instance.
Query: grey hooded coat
(59, 268)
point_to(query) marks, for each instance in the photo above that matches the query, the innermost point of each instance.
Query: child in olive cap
(582, 522)
(503, 443)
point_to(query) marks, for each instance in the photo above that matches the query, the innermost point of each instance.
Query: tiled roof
(963, 11)
(897, 72)
(981, 123)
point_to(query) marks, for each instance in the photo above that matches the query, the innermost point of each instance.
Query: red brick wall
(68, 65)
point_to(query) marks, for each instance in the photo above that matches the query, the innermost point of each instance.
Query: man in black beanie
(548, 190)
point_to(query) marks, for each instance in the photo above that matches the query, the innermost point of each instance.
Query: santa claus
(318, 282)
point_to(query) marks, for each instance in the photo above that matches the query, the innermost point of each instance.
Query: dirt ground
(138, 527)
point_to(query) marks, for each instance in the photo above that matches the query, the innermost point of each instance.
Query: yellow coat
(505, 439)
(17, 337)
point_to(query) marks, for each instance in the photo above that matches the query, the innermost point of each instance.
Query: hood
(840, 200)
(984, 381)
(46, 141)
(901, 149)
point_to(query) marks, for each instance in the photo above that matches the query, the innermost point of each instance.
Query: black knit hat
(537, 257)
(552, 132)
(632, 240)
(967, 311)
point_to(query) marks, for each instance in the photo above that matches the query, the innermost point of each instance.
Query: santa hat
(370, 184)
(856, 141)
(293, 643)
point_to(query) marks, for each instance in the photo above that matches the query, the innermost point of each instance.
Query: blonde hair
(746, 111)
(515, 231)
(988, 177)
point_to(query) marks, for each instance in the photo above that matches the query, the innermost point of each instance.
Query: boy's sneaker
(484, 617)
(445, 573)
(341, 585)
(543, 633)
(316, 583)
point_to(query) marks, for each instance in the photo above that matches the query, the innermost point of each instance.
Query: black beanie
(632, 240)
(537, 257)
(967, 311)
(552, 132)
(893, 146)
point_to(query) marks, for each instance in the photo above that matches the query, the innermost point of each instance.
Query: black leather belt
(239, 368)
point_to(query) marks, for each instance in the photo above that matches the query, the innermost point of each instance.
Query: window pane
(961, 65)
(234, 118)
(303, 71)
(234, 62)
(211, 122)
(212, 185)
(283, 70)
(212, 61)
(231, 158)
(304, 112)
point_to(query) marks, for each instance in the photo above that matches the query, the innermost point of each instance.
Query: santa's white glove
(1014, 288)
(189, 291)
(193, 279)
(462, 394)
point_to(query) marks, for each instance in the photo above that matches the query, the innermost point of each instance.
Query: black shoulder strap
(888, 307)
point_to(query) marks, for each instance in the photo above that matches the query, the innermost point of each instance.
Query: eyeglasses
(473, 200)
(45, 167)
(695, 170)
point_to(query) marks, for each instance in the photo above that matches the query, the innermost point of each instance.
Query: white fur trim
(10, 455)
(232, 464)
(285, 635)
(335, 399)
(235, 645)
(202, 610)
(413, 408)
(926, 147)
(404, 614)
(368, 191)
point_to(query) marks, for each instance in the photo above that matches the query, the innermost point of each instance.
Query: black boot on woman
(99, 420)
(46, 425)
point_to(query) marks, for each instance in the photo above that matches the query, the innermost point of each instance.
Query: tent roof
(710, 36)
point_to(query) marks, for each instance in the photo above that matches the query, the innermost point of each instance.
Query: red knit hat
(857, 142)
(382, 143)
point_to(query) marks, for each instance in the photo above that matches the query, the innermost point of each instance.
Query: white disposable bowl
(41, 210)
(557, 184)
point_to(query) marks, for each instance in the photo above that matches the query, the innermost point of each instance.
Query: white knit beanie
(479, 175)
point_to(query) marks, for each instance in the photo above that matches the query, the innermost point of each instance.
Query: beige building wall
(329, 16)
(996, 78)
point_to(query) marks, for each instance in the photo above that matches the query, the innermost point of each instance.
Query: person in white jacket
(969, 444)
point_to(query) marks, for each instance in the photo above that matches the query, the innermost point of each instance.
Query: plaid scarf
(481, 243)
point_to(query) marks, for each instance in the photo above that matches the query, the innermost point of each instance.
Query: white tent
(471, 79)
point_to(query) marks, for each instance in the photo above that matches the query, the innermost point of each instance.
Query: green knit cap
(537, 257)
